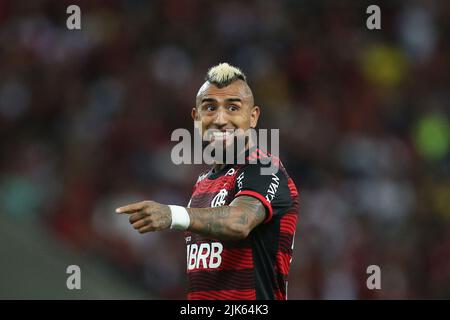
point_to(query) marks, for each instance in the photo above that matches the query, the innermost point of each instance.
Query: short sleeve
(270, 188)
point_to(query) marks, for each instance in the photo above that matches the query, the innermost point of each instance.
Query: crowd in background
(86, 118)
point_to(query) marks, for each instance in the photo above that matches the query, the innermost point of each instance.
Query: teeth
(222, 135)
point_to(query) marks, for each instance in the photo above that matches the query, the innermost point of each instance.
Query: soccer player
(239, 223)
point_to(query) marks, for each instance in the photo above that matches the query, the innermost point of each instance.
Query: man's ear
(254, 116)
(194, 114)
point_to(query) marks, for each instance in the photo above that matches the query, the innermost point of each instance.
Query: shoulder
(260, 162)
(266, 173)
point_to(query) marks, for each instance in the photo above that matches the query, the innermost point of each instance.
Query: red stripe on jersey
(275, 160)
(261, 198)
(258, 154)
(230, 244)
(279, 295)
(213, 186)
(223, 295)
(221, 280)
(285, 242)
(283, 262)
(253, 156)
(235, 259)
(292, 188)
(204, 200)
(288, 223)
(266, 154)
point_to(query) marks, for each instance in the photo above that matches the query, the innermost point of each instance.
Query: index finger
(131, 208)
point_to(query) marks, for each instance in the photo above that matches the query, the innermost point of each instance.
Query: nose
(221, 118)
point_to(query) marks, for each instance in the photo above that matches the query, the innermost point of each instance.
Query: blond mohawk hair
(223, 74)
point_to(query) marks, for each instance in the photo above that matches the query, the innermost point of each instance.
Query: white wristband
(180, 218)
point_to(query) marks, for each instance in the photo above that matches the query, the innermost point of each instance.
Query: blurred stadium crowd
(86, 118)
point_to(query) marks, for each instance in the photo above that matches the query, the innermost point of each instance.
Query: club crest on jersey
(219, 199)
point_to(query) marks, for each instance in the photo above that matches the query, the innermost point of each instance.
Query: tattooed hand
(147, 216)
(232, 222)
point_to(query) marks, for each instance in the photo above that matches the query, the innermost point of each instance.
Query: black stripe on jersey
(264, 255)
(228, 244)
(221, 280)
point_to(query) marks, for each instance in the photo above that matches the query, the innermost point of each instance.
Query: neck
(219, 166)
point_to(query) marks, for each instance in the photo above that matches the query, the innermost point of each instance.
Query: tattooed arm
(232, 222)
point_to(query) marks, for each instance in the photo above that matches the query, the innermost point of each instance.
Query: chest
(210, 193)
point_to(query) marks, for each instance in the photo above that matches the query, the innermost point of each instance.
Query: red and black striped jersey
(258, 266)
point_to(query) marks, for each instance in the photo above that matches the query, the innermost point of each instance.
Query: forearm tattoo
(234, 221)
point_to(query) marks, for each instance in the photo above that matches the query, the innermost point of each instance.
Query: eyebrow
(226, 100)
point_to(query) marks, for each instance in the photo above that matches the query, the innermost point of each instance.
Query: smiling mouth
(222, 136)
(212, 135)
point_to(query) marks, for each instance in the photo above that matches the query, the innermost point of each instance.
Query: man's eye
(232, 108)
(210, 108)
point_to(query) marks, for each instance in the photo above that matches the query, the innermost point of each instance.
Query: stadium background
(86, 118)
